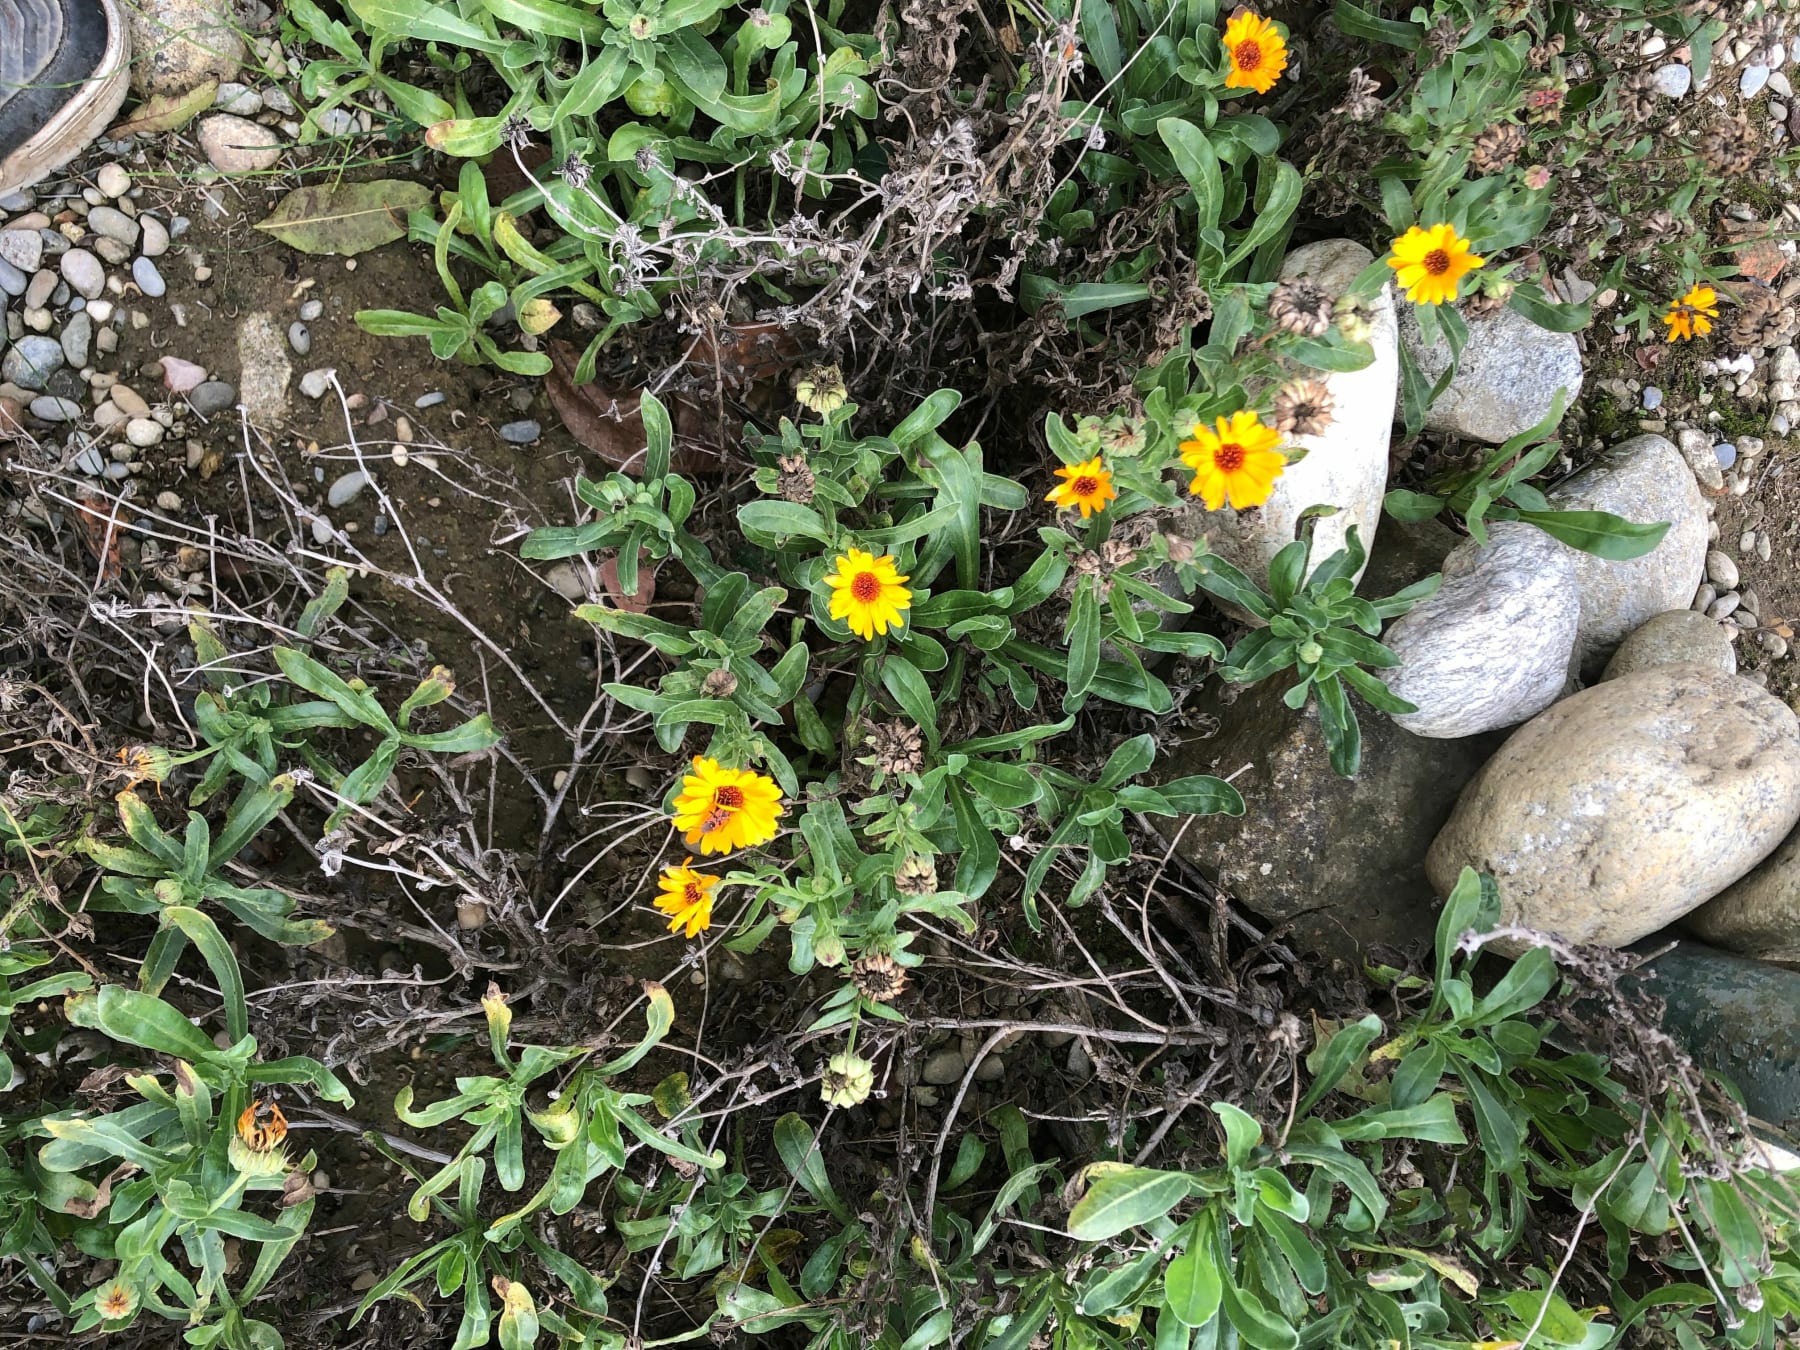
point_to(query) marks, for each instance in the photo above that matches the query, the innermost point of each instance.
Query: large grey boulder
(1491, 648)
(1643, 479)
(1345, 466)
(1629, 804)
(1758, 915)
(1672, 638)
(1507, 381)
(1339, 861)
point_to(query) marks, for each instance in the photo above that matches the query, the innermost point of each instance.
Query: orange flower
(720, 809)
(1256, 51)
(686, 898)
(1429, 263)
(1692, 315)
(1087, 486)
(1237, 462)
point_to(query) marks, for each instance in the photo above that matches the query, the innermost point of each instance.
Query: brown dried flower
(897, 747)
(1731, 149)
(1363, 98)
(1498, 147)
(1761, 321)
(1544, 101)
(1300, 306)
(878, 977)
(796, 482)
(719, 684)
(916, 876)
(1443, 39)
(1545, 52)
(1302, 408)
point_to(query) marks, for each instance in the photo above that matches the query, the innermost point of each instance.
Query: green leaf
(1084, 643)
(1120, 1197)
(799, 1150)
(1530, 301)
(422, 22)
(345, 218)
(1191, 1283)
(772, 523)
(210, 943)
(901, 678)
(316, 679)
(1258, 1328)
(1521, 989)
(1411, 506)
(1433, 1121)
(1498, 1121)
(140, 1020)
(1600, 533)
(1337, 1057)
(1359, 23)
(1198, 163)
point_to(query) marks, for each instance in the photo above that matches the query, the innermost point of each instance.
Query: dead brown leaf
(646, 584)
(90, 1209)
(166, 112)
(607, 421)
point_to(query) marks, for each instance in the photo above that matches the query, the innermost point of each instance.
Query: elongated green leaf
(1123, 1197)
(1192, 1284)
(140, 1020)
(1336, 1058)
(211, 944)
(423, 22)
(799, 1150)
(1600, 533)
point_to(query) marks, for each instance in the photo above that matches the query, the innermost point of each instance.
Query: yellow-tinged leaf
(166, 112)
(346, 218)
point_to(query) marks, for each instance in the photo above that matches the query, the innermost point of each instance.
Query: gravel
(112, 180)
(51, 409)
(299, 338)
(114, 224)
(82, 270)
(520, 433)
(24, 249)
(77, 339)
(431, 400)
(12, 280)
(31, 361)
(149, 280)
(315, 382)
(343, 489)
(156, 237)
(312, 309)
(214, 396)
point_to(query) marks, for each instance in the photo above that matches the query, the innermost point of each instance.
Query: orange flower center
(692, 893)
(1085, 487)
(728, 798)
(866, 587)
(1248, 55)
(1437, 262)
(1229, 457)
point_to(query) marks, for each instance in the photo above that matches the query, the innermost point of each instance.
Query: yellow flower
(866, 593)
(1256, 50)
(1239, 461)
(1087, 485)
(1430, 262)
(1692, 315)
(687, 899)
(721, 809)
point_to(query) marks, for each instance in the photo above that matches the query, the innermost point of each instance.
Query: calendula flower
(256, 1145)
(847, 1081)
(116, 1301)
(878, 977)
(1236, 462)
(867, 594)
(721, 809)
(1086, 487)
(1692, 315)
(822, 389)
(1430, 262)
(687, 899)
(1256, 51)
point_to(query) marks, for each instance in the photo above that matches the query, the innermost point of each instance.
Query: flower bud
(847, 1081)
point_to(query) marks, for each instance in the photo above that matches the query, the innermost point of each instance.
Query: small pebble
(143, 432)
(168, 501)
(1653, 398)
(344, 489)
(130, 401)
(117, 473)
(90, 461)
(1752, 601)
(82, 270)
(115, 225)
(1720, 569)
(24, 249)
(431, 400)
(520, 433)
(1774, 644)
(315, 382)
(212, 397)
(42, 287)
(1763, 547)
(112, 180)
(101, 311)
(470, 915)
(299, 338)
(1727, 454)
(155, 242)
(1725, 606)
(149, 280)
(1704, 596)
(321, 529)
(51, 409)
(312, 309)
(943, 1068)
(1751, 82)
(77, 338)
(1672, 80)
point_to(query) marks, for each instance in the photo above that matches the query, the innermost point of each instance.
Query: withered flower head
(916, 876)
(1351, 315)
(1301, 307)
(1362, 100)
(1302, 408)
(1730, 149)
(719, 684)
(796, 483)
(1497, 147)
(878, 977)
(897, 747)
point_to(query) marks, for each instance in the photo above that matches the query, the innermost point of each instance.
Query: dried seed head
(1444, 38)
(796, 483)
(821, 388)
(916, 876)
(1513, 11)
(1490, 295)
(719, 684)
(1730, 149)
(1362, 99)
(1498, 147)
(847, 1080)
(1544, 101)
(1545, 52)
(1760, 322)
(1302, 408)
(878, 977)
(897, 747)
(1301, 307)
(1116, 553)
